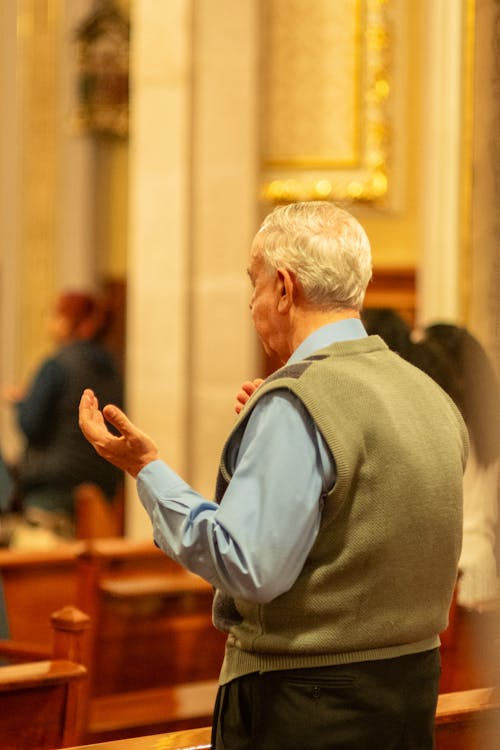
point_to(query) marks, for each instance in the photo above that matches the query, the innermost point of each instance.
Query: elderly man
(335, 533)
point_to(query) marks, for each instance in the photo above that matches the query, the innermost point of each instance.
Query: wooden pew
(155, 655)
(465, 720)
(151, 619)
(35, 585)
(43, 700)
(130, 590)
(150, 627)
(188, 739)
(146, 609)
(468, 720)
(167, 709)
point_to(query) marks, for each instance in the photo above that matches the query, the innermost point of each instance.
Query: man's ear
(286, 285)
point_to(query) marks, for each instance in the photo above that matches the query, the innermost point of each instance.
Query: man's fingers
(92, 420)
(118, 419)
(89, 416)
(88, 400)
(250, 386)
(247, 387)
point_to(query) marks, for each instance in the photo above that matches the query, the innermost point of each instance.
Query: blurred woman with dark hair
(457, 361)
(56, 457)
(463, 369)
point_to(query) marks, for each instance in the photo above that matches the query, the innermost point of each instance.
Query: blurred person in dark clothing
(56, 457)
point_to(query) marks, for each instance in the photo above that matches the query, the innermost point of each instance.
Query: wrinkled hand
(130, 451)
(247, 388)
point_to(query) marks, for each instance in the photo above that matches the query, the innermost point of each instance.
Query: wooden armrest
(160, 585)
(22, 650)
(121, 548)
(188, 739)
(185, 739)
(65, 552)
(146, 707)
(33, 673)
(466, 704)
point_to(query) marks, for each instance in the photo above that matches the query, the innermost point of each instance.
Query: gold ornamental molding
(102, 43)
(326, 73)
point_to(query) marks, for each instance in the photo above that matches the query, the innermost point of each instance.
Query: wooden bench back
(151, 618)
(36, 584)
(44, 700)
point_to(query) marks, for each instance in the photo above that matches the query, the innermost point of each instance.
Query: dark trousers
(377, 705)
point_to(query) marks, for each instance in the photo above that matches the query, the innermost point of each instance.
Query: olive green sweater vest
(379, 579)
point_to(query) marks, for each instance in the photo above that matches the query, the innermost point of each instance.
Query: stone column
(157, 316)
(193, 176)
(438, 278)
(224, 220)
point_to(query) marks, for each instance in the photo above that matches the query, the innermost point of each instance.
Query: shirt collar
(342, 330)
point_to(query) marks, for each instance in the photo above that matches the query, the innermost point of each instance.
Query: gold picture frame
(326, 130)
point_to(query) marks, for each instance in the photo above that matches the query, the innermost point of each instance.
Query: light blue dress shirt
(254, 544)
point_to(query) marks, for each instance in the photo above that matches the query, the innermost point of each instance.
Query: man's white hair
(324, 246)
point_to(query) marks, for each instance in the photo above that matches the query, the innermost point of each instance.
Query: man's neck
(308, 321)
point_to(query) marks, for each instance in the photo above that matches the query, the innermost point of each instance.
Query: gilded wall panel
(326, 86)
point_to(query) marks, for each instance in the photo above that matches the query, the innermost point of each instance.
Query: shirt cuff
(156, 480)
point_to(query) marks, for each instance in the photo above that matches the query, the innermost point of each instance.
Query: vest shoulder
(340, 353)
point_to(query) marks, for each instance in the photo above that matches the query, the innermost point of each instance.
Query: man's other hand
(247, 388)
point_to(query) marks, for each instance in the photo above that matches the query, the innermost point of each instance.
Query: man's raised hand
(130, 451)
